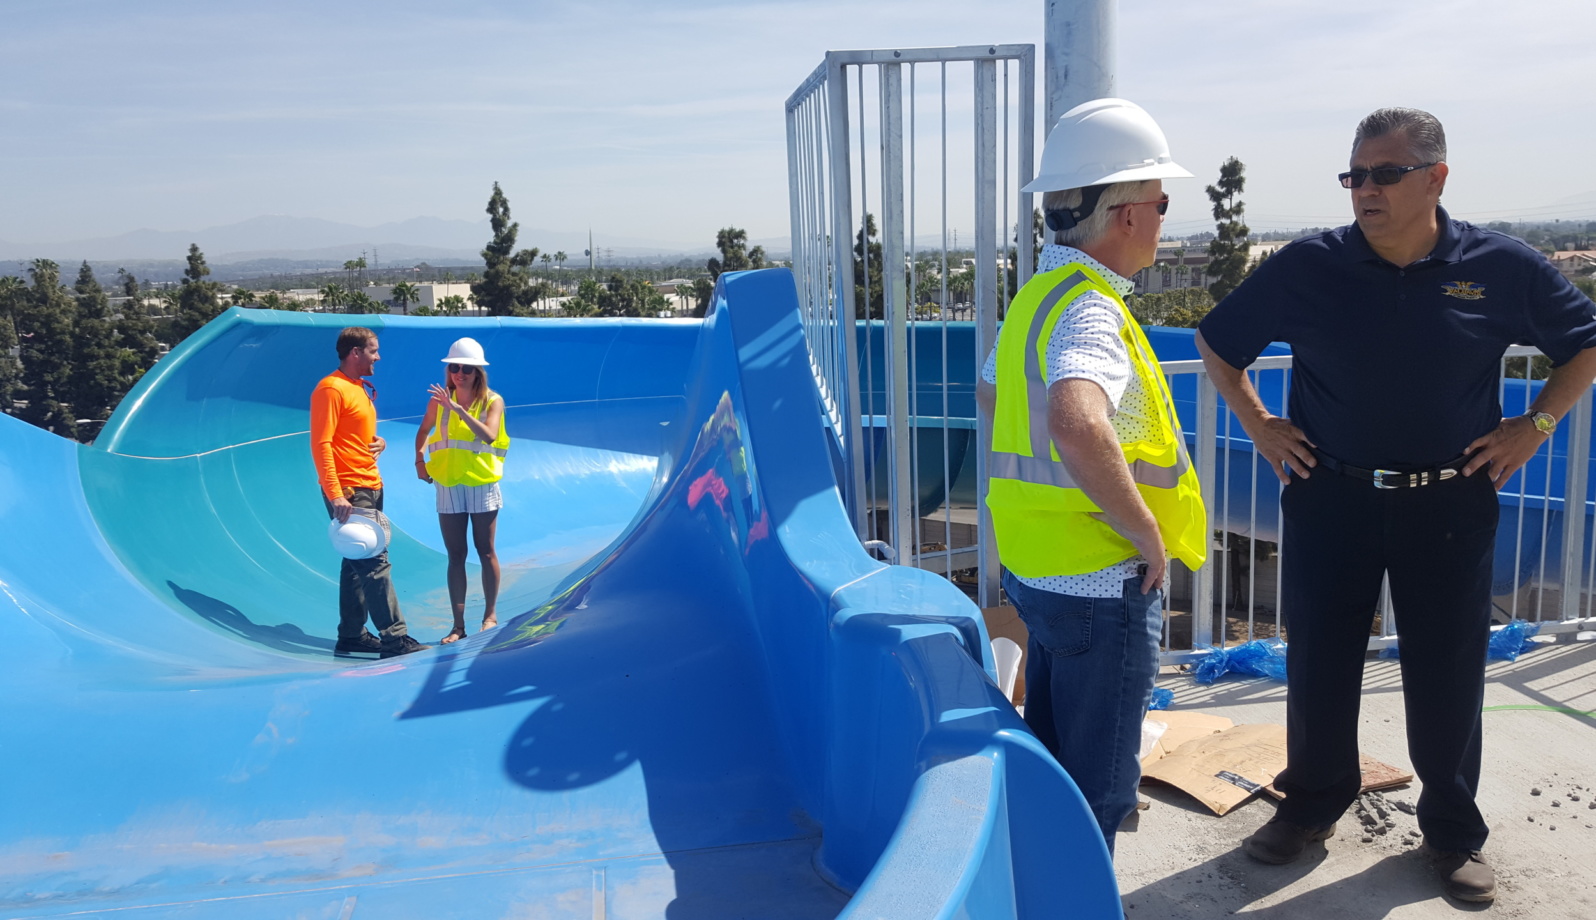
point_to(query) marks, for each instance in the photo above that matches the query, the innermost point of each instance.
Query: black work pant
(365, 587)
(1341, 535)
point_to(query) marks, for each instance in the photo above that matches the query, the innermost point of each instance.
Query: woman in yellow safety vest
(460, 448)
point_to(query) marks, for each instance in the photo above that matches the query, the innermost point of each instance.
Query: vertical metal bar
(1027, 244)
(895, 321)
(1202, 590)
(947, 489)
(985, 302)
(842, 282)
(1577, 425)
(912, 311)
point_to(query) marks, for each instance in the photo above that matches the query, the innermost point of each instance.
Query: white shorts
(468, 499)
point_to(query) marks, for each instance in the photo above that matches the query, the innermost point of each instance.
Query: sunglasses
(1382, 175)
(466, 369)
(1163, 204)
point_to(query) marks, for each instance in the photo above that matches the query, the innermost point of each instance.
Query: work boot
(1280, 842)
(1466, 874)
(404, 646)
(364, 645)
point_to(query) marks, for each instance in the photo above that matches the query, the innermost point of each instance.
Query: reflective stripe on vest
(1043, 520)
(476, 447)
(460, 458)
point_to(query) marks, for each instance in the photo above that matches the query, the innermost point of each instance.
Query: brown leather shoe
(1467, 875)
(1280, 842)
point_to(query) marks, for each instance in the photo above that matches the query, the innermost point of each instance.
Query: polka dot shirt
(1085, 345)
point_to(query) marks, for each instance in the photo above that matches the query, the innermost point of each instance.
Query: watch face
(1544, 422)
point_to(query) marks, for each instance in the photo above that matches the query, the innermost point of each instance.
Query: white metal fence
(935, 142)
(1545, 561)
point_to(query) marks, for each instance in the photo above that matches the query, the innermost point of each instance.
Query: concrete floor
(1177, 861)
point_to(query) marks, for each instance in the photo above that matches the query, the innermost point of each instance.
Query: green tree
(361, 302)
(870, 256)
(503, 290)
(1227, 252)
(734, 257)
(12, 290)
(95, 386)
(241, 297)
(198, 301)
(453, 305)
(587, 302)
(272, 300)
(1184, 307)
(135, 333)
(703, 291)
(44, 326)
(404, 294)
(333, 296)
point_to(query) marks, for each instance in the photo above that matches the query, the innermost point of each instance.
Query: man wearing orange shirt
(345, 445)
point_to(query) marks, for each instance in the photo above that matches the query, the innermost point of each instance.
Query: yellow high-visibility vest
(455, 456)
(1041, 519)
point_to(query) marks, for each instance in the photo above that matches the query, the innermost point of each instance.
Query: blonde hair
(484, 392)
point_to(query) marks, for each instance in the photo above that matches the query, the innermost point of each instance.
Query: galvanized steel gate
(889, 431)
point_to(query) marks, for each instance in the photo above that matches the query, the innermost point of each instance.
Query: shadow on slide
(704, 700)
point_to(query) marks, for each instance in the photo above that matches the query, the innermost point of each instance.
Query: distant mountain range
(307, 239)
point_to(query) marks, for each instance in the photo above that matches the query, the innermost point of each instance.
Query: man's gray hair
(1095, 225)
(1426, 139)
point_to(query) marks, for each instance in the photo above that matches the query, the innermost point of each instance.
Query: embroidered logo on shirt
(1464, 290)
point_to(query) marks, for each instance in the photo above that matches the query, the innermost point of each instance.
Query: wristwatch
(1544, 422)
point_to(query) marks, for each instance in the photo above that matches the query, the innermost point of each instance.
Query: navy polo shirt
(1398, 366)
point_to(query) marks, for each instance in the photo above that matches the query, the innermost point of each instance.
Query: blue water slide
(704, 700)
(943, 366)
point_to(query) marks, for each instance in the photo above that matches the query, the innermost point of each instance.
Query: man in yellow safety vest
(1091, 489)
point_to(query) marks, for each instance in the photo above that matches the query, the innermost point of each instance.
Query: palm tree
(404, 294)
(333, 296)
(546, 260)
(240, 297)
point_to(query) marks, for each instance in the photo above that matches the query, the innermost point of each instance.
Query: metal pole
(842, 281)
(1027, 168)
(895, 340)
(986, 307)
(1202, 589)
(1578, 425)
(1079, 51)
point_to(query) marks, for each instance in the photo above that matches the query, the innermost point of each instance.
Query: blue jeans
(1089, 673)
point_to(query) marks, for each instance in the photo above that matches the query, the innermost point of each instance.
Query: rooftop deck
(1182, 863)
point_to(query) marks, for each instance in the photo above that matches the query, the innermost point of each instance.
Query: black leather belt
(1394, 479)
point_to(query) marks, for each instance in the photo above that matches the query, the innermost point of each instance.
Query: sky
(664, 120)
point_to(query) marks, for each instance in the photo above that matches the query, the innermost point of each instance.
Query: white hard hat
(364, 536)
(1102, 142)
(466, 351)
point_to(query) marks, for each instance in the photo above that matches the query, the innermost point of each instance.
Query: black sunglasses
(1163, 204)
(1382, 175)
(462, 369)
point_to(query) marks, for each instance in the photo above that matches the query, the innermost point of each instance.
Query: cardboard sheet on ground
(1376, 775)
(1223, 769)
(1179, 727)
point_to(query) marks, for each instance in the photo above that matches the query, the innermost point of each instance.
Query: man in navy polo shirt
(1391, 458)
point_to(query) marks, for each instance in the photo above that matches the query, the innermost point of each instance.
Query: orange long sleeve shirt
(343, 423)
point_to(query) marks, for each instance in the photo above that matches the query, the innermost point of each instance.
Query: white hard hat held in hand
(466, 351)
(1102, 142)
(364, 536)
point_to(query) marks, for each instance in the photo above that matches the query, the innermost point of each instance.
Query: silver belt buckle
(1379, 479)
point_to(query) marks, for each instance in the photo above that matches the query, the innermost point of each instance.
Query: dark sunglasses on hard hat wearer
(462, 369)
(1163, 204)
(1382, 175)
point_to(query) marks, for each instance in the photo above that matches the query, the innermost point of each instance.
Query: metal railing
(1545, 560)
(950, 131)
